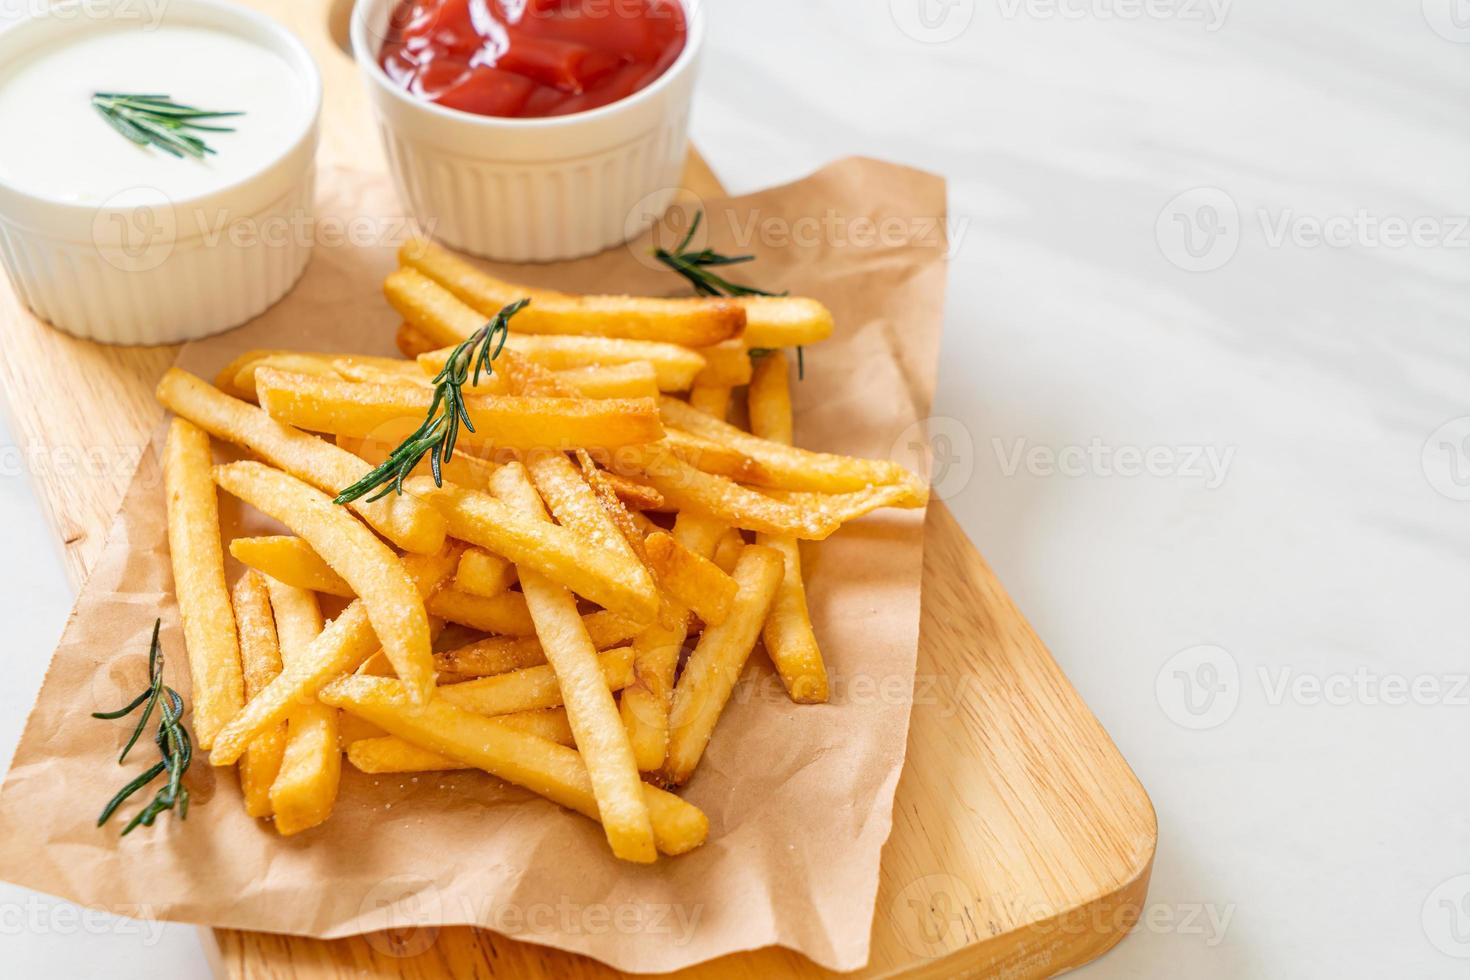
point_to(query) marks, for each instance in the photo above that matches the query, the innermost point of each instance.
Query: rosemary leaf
(157, 120)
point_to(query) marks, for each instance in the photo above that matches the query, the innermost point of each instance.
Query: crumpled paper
(799, 798)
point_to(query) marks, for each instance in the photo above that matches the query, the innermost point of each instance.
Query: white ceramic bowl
(154, 270)
(533, 190)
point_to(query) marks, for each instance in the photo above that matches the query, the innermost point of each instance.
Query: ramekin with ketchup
(532, 130)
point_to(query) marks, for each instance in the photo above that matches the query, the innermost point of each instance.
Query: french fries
(599, 732)
(691, 322)
(199, 580)
(260, 657)
(506, 421)
(392, 603)
(292, 561)
(714, 667)
(404, 521)
(554, 771)
(545, 538)
(788, 634)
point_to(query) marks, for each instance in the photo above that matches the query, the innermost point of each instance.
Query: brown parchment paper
(799, 798)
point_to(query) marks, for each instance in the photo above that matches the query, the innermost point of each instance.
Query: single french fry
(238, 377)
(462, 468)
(577, 507)
(636, 496)
(601, 738)
(784, 321)
(788, 634)
(408, 523)
(728, 549)
(712, 400)
(692, 322)
(484, 573)
(488, 657)
(342, 646)
(390, 754)
(635, 379)
(674, 367)
(383, 370)
(645, 703)
(553, 771)
(769, 398)
(599, 575)
(305, 790)
(260, 657)
(413, 342)
(695, 581)
(785, 467)
(531, 688)
(702, 454)
(505, 614)
(372, 410)
(367, 564)
(715, 666)
(726, 364)
(351, 729)
(292, 561)
(199, 581)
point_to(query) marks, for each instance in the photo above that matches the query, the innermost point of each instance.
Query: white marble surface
(1226, 481)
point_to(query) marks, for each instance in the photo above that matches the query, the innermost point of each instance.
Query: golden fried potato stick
(260, 656)
(601, 738)
(488, 657)
(807, 516)
(291, 560)
(712, 400)
(788, 634)
(532, 687)
(484, 573)
(381, 370)
(691, 322)
(413, 342)
(715, 666)
(579, 508)
(645, 703)
(372, 410)
(786, 467)
(237, 379)
(725, 364)
(728, 549)
(695, 581)
(505, 614)
(600, 576)
(390, 754)
(634, 379)
(199, 581)
(305, 791)
(634, 495)
(701, 453)
(784, 321)
(344, 645)
(367, 564)
(553, 771)
(408, 523)
(674, 367)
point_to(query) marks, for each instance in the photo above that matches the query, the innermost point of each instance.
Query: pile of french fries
(608, 547)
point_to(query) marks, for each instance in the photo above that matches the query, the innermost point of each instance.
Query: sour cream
(56, 146)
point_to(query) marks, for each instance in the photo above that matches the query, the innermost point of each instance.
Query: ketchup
(530, 57)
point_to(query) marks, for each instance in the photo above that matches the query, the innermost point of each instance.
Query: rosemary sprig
(172, 740)
(157, 120)
(695, 267)
(447, 412)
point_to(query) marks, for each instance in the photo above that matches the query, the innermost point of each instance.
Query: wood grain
(1022, 842)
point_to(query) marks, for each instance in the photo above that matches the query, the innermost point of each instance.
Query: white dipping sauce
(58, 147)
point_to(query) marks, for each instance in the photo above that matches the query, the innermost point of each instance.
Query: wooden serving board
(1022, 842)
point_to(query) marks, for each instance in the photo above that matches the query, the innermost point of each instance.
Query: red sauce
(531, 57)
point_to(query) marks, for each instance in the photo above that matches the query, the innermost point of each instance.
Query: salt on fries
(565, 485)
